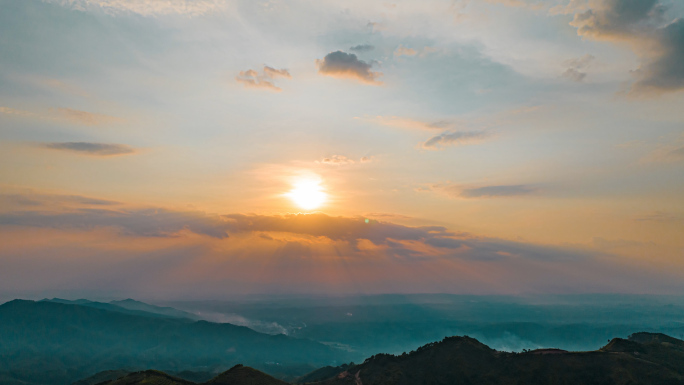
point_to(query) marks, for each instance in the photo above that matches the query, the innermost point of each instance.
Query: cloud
(23, 199)
(341, 160)
(618, 19)
(95, 149)
(668, 153)
(347, 65)
(661, 217)
(408, 123)
(151, 222)
(257, 253)
(362, 48)
(612, 244)
(453, 138)
(576, 66)
(404, 51)
(254, 79)
(336, 160)
(517, 4)
(274, 73)
(147, 8)
(348, 229)
(485, 191)
(66, 114)
(642, 25)
(13, 111)
(86, 118)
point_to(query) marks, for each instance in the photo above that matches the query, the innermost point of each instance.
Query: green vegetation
(58, 343)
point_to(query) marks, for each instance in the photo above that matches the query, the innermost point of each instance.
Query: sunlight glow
(308, 194)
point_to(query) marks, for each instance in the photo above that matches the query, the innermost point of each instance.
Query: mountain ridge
(659, 360)
(49, 342)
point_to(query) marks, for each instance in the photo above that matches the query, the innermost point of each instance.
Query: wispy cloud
(66, 115)
(454, 138)
(341, 160)
(88, 148)
(86, 118)
(665, 153)
(362, 48)
(148, 7)
(494, 191)
(404, 51)
(254, 79)
(661, 216)
(518, 3)
(22, 200)
(336, 160)
(347, 65)
(576, 68)
(413, 124)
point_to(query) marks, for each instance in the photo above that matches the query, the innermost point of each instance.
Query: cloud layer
(205, 254)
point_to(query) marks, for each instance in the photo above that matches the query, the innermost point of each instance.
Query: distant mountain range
(643, 359)
(82, 342)
(58, 342)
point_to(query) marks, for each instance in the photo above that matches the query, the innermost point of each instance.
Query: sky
(213, 149)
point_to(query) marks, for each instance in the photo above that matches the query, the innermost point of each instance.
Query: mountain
(644, 358)
(54, 343)
(243, 375)
(237, 375)
(107, 375)
(132, 304)
(129, 306)
(147, 377)
(110, 307)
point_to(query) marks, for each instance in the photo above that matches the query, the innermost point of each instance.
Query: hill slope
(643, 359)
(132, 304)
(56, 343)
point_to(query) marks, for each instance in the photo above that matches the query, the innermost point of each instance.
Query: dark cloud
(362, 48)
(88, 148)
(451, 138)
(642, 24)
(618, 18)
(666, 71)
(347, 65)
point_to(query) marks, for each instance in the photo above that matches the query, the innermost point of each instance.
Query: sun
(308, 194)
